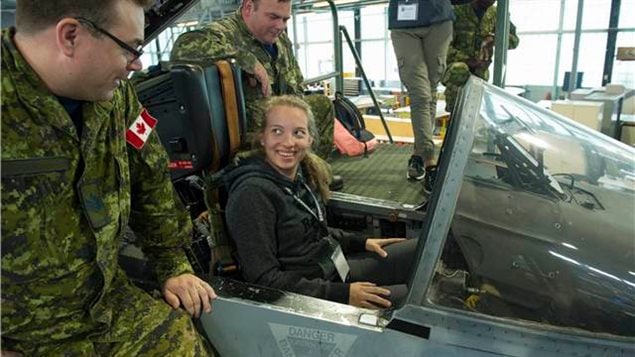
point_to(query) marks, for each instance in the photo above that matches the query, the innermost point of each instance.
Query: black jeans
(391, 272)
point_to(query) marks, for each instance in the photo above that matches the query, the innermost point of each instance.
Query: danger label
(296, 341)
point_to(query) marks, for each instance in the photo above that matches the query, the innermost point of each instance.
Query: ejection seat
(201, 122)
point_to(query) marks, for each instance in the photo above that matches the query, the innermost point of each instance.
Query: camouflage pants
(174, 336)
(140, 326)
(455, 77)
(324, 114)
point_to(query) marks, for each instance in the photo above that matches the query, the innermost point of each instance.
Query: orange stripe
(231, 105)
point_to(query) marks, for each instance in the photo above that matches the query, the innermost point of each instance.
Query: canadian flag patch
(138, 133)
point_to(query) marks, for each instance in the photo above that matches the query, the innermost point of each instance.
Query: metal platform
(382, 174)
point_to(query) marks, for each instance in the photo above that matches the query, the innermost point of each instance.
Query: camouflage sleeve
(460, 49)
(157, 216)
(211, 44)
(513, 37)
(295, 74)
(456, 54)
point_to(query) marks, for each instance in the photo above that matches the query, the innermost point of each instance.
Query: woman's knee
(403, 249)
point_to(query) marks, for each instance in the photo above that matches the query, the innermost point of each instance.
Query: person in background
(472, 46)
(255, 36)
(284, 241)
(80, 162)
(421, 31)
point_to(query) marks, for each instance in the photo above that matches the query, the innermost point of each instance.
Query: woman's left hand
(376, 244)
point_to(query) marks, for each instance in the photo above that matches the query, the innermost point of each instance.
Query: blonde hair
(319, 172)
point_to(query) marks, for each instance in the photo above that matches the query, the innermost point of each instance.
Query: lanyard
(335, 256)
(320, 215)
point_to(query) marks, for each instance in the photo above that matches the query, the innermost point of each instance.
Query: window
(319, 59)
(319, 27)
(374, 65)
(627, 20)
(592, 62)
(163, 43)
(535, 58)
(624, 71)
(315, 50)
(595, 14)
(373, 22)
(525, 16)
(533, 61)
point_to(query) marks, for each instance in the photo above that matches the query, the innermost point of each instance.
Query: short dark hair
(32, 16)
(256, 2)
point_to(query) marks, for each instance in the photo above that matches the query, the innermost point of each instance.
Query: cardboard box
(584, 112)
(626, 53)
(400, 128)
(628, 132)
(628, 135)
(611, 88)
(628, 107)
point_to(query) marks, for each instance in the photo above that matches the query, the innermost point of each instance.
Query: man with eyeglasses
(80, 163)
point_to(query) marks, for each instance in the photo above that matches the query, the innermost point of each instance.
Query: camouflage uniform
(469, 33)
(65, 203)
(230, 37)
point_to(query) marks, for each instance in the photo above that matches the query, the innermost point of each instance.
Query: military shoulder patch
(139, 132)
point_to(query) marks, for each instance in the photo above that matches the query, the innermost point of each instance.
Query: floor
(380, 175)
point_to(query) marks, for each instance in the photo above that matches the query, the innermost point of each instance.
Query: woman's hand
(368, 295)
(376, 244)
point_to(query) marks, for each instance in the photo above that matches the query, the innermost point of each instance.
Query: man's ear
(248, 6)
(66, 36)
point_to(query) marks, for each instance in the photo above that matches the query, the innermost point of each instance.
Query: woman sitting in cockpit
(276, 216)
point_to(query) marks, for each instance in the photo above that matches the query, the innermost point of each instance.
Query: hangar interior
(592, 38)
(592, 41)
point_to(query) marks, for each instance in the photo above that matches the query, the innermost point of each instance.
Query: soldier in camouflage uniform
(255, 36)
(71, 183)
(472, 46)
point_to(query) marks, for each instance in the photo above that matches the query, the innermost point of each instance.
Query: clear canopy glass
(544, 227)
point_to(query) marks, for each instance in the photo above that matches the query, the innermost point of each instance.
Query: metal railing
(358, 61)
(338, 74)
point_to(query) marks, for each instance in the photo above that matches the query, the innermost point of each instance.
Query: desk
(628, 137)
(612, 111)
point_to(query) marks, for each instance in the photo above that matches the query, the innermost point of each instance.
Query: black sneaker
(337, 183)
(415, 168)
(430, 177)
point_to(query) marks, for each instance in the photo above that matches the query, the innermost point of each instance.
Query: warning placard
(298, 341)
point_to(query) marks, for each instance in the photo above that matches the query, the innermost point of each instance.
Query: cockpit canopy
(545, 219)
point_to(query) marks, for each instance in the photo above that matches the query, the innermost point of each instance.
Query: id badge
(407, 12)
(341, 265)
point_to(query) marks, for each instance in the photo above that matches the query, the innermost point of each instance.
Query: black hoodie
(280, 243)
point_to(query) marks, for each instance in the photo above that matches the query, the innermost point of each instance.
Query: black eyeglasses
(136, 52)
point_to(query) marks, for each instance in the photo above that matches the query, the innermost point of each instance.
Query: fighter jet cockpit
(525, 245)
(544, 222)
